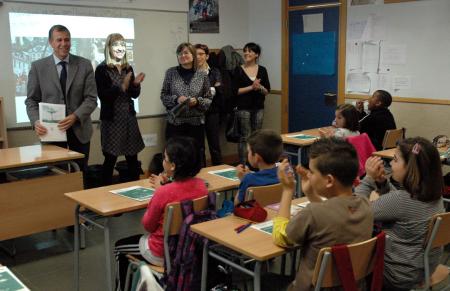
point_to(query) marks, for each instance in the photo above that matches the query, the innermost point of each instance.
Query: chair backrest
(439, 230)
(174, 217)
(438, 236)
(392, 137)
(364, 149)
(265, 195)
(362, 256)
(173, 220)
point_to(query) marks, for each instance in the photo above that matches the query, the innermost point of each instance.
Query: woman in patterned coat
(186, 95)
(117, 87)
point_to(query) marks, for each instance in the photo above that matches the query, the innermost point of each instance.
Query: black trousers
(110, 162)
(212, 129)
(75, 145)
(197, 132)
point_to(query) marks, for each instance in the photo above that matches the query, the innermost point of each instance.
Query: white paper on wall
(358, 82)
(313, 22)
(370, 57)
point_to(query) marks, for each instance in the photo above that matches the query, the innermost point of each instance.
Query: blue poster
(314, 53)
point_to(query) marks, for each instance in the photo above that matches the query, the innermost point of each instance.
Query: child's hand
(157, 181)
(360, 105)
(306, 185)
(326, 132)
(286, 176)
(374, 196)
(375, 169)
(242, 171)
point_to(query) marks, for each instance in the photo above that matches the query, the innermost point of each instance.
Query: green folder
(136, 193)
(9, 282)
(303, 136)
(227, 173)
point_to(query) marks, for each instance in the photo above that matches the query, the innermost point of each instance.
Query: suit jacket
(81, 92)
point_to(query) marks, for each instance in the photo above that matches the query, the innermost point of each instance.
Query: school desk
(389, 153)
(102, 204)
(251, 242)
(34, 205)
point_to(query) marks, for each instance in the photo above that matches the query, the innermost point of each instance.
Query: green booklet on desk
(229, 173)
(135, 192)
(266, 226)
(9, 282)
(302, 136)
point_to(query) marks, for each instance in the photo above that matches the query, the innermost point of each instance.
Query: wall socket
(150, 140)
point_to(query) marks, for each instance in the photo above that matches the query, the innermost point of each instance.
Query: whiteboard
(412, 40)
(156, 36)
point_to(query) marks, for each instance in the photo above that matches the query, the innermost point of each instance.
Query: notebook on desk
(135, 192)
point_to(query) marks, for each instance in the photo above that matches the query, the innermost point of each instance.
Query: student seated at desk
(181, 164)
(342, 219)
(345, 124)
(264, 148)
(379, 119)
(406, 211)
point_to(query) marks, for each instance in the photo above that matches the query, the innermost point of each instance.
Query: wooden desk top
(389, 153)
(251, 242)
(105, 203)
(35, 155)
(287, 139)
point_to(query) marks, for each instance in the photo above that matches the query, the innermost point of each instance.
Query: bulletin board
(403, 48)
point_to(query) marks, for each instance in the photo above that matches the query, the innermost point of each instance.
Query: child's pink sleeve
(155, 210)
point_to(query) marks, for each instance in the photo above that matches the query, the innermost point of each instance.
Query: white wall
(264, 19)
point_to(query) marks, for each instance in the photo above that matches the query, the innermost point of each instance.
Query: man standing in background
(63, 78)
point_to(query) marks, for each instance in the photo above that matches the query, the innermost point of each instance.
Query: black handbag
(233, 132)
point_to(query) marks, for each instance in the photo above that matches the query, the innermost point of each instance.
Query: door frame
(285, 9)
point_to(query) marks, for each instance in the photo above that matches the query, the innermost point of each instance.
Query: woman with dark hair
(186, 95)
(251, 85)
(212, 116)
(181, 164)
(117, 87)
(406, 212)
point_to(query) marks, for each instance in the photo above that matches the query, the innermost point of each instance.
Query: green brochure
(9, 282)
(229, 173)
(303, 136)
(136, 193)
(266, 226)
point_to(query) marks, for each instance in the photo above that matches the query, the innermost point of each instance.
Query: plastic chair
(362, 256)
(438, 236)
(392, 137)
(265, 195)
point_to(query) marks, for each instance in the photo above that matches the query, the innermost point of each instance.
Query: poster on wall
(204, 16)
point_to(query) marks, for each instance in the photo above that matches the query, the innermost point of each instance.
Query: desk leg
(76, 246)
(108, 254)
(205, 267)
(257, 277)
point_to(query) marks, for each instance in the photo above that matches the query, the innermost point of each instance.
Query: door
(315, 40)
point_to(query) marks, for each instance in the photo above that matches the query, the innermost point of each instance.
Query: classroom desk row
(253, 243)
(101, 203)
(32, 205)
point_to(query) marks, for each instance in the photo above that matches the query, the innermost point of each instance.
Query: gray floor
(44, 262)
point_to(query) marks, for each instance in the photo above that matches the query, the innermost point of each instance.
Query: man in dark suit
(63, 78)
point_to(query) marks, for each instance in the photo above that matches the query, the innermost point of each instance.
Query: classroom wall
(233, 30)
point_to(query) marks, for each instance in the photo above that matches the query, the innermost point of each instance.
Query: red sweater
(154, 216)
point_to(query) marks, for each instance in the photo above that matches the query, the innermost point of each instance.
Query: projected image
(29, 42)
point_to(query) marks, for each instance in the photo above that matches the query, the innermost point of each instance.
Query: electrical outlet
(150, 140)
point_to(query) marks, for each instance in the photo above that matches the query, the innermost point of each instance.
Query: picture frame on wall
(204, 16)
